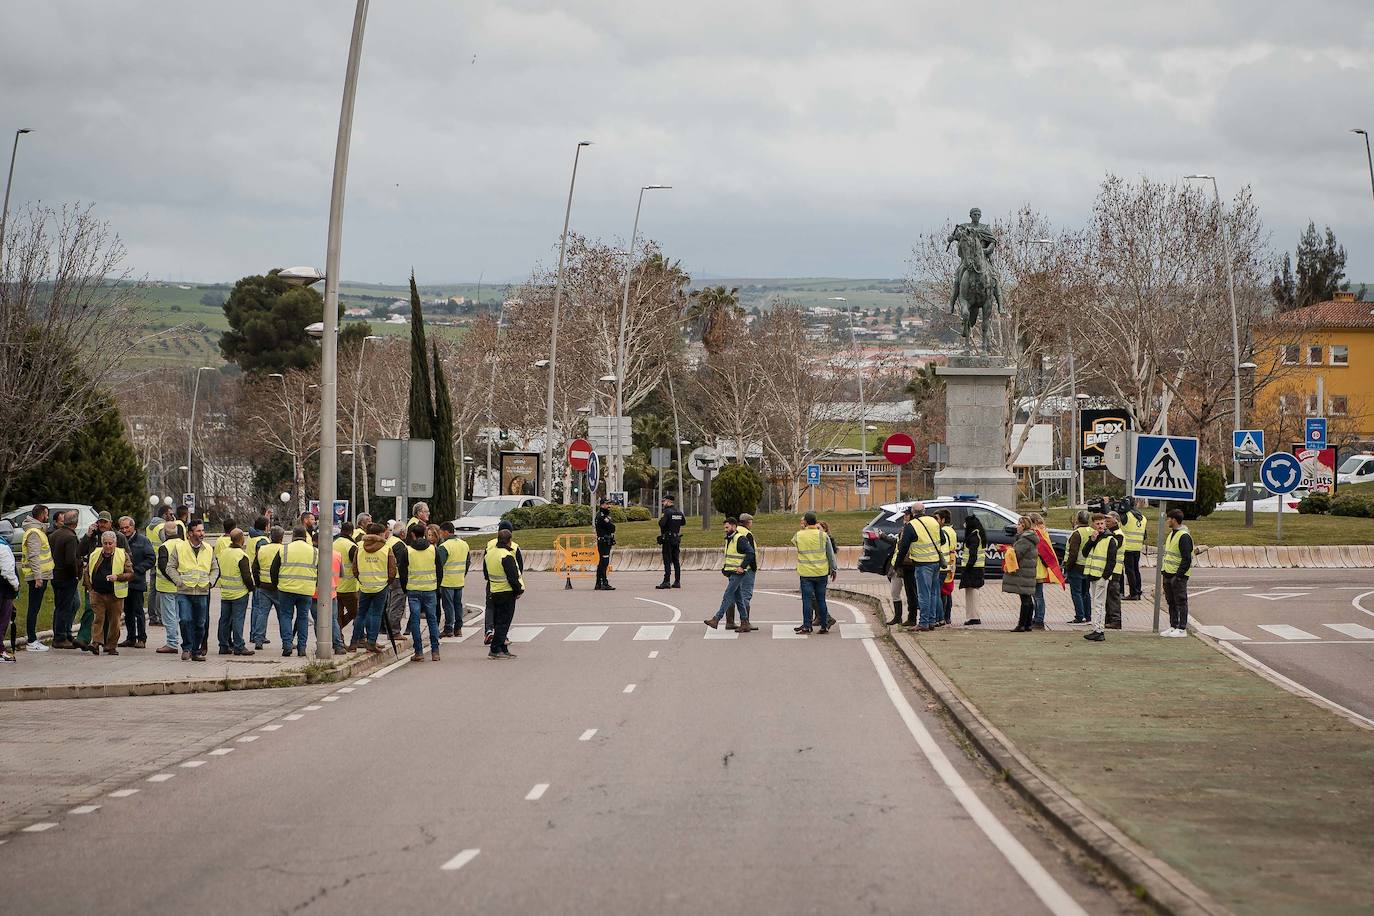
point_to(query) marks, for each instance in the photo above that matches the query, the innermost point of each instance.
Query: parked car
(1356, 469)
(881, 534)
(1264, 500)
(86, 516)
(486, 514)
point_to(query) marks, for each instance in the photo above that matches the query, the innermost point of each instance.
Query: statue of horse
(977, 286)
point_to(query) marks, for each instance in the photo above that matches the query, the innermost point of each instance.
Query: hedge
(554, 515)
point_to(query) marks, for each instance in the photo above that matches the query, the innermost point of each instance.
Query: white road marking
(314, 706)
(362, 680)
(345, 690)
(858, 614)
(677, 612)
(523, 634)
(587, 735)
(629, 688)
(1355, 603)
(1312, 642)
(221, 751)
(721, 633)
(655, 632)
(653, 654)
(537, 792)
(389, 668)
(84, 809)
(1284, 631)
(330, 699)
(161, 777)
(856, 630)
(783, 631)
(1220, 632)
(247, 739)
(586, 634)
(294, 717)
(270, 728)
(192, 764)
(39, 827)
(1279, 596)
(123, 793)
(1351, 629)
(458, 861)
(1040, 881)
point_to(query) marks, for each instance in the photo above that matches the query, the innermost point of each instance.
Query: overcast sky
(802, 138)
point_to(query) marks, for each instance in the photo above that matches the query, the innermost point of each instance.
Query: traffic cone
(567, 583)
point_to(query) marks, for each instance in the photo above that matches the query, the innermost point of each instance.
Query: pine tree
(444, 504)
(1320, 271)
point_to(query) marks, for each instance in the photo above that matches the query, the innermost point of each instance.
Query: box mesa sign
(1098, 427)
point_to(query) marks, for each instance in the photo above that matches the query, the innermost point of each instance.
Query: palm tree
(924, 385)
(714, 311)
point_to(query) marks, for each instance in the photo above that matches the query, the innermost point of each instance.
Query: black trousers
(672, 559)
(1027, 611)
(1133, 573)
(502, 613)
(912, 605)
(1176, 594)
(37, 589)
(135, 624)
(603, 565)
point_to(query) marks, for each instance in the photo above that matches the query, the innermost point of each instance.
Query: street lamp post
(353, 460)
(1235, 321)
(619, 461)
(191, 427)
(553, 334)
(863, 406)
(1368, 157)
(491, 389)
(5, 211)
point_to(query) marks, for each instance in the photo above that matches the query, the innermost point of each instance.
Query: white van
(1356, 469)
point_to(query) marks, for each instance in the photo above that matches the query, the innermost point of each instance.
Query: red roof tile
(1339, 313)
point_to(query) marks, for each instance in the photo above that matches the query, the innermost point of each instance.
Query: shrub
(1315, 503)
(554, 515)
(1211, 487)
(1348, 504)
(736, 489)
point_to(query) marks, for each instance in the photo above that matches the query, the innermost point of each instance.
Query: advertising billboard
(1318, 468)
(1097, 426)
(520, 473)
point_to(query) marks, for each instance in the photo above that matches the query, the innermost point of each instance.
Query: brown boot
(746, 627)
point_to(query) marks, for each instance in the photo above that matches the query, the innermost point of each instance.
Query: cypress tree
(445, 502)
(421, 401)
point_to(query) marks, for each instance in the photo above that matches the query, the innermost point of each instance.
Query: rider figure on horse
(983, 233)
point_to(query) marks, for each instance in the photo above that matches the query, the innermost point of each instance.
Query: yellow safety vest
(231, 584)
(734, 557)
(1134, 532)
(949, 543)
(1084, 534)
(493, 560)
(164, 585)
(299, 562)
(45, 563)
(372, 570)
(255, 544)
(924, 550)
(1173, 557)
(1120, 554)
(422, 570)
(979, 562)
(1096, 564)
(455, 567)
(358, 535)
(221, 543)
(121, 589)
(348, 581)
(264, 557)
(811, 557)
(194, 565)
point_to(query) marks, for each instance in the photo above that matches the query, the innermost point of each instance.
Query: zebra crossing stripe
(1284, 631)
(1354, 630)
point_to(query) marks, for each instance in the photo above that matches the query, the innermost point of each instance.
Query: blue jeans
(1039, 603)
(425, 603)
(451, 600)
(813, 596)
(734, 588)
(932, 609)
(167, 607)
(264, 602)
(230, 631)
(1076, 583)
(746, 589)
(337, 640)
(370, 610)
(193, 613)
(293, 617)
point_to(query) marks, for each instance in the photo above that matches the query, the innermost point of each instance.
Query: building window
(1340, 355)
(1313, 409)
(1339, 405)
(1288, 353)
(1288, 403)
(1314, 354)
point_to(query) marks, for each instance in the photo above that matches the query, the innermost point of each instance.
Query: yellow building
(1326, 347)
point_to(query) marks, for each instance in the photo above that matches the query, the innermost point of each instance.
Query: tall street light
(5, 211)
(553, 334)
(491, 389)
(1235, 322)
(1354, 130)
(1076, 483)
(619, 461)
(191, 427)
(863, 407)
(353, 453)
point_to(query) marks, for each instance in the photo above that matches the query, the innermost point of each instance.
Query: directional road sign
(661, 458)
(1247, 444)
(1316, 432)
(593, 470)
(1281, 473)
(1054, 474)
(579, 451)
(1114, 455)
(1166, 467)
(861, 481)
(813, 475)
(899, 448)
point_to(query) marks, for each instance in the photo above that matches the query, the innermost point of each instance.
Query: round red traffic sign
(899, 448)
(579, 452)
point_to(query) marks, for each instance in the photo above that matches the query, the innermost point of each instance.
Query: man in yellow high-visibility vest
(815, 563)
(193, 569)
(1133, 527)
(738, 560)
(1177, 566)
(235, 591)
(452, 580)
(293, 576)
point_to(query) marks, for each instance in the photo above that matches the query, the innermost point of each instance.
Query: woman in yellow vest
(451, 580)
(506, 585)
(36, 568)
(418, 571)
(106, 577)
(235, 590)
(376, 566)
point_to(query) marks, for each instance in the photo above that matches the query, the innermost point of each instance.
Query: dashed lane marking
(123, 793)
(720, 633)
(161, 777)
(523, 634)
(458, 861)
(294, 717)
(587, 735)
(653, 654)
(537, 792)
(856, 631)
(314, 706)
(221, 751)
(586, 634)
(784, 631)
(651, 632)
(192, 764)
(270, 728)
(84, 809)
(39, 827)
(629, 688)
(247, 739)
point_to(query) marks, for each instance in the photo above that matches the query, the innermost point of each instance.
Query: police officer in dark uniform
(605, 540)
(670, 522)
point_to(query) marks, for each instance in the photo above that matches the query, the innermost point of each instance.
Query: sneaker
(6, 659)
(507, 653)
(1179, 633)
(1095, 636)
(486, 640)
(1167, 632)
(35, 646)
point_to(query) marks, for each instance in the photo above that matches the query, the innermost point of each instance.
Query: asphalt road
(603, 771)
(1312, 626)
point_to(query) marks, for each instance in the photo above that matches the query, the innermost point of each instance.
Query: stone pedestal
(977, 399)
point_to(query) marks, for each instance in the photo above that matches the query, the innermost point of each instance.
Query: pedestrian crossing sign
(1248, 444)
(1165, 467)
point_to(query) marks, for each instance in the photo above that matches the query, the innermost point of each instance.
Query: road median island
(1202, 784)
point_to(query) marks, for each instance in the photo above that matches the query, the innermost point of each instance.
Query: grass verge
(1228, 529)
(1258, 796)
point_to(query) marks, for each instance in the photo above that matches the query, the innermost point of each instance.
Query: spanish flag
(1048, 562)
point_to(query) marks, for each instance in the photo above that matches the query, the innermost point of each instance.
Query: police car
(881, 534)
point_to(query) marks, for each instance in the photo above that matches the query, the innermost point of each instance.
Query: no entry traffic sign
(899, 448)
(579, 451)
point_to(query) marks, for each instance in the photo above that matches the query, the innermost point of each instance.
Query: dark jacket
(605, 528)
(1027, 549)
(66, 555)
(143, 556)
(972, 576)
(746, 547)
(1185, 550)
(670, 523)
(403, 560)
(1112, 544)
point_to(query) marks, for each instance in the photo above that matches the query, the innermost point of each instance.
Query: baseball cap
(745, 517)
(504, 525)
(105, 517)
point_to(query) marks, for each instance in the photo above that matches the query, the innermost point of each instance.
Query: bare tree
(286, 417)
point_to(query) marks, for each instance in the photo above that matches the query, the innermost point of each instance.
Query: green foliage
(1211, 487)
(352, 333)
(737, 488)
(96, 465)
(267, 320)
(421, 397)
(554, 515)
(1352, 506)
(1315, 503)
(1320, 272)
(445, 501)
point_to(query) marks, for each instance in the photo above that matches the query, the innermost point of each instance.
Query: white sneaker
(1181, 634)
(1168, 632)
(35, 646)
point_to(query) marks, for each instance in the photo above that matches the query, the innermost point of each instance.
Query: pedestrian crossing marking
(1284, 631)
(785, 631)
(1351, 629)
(523, 634)
(856, 630)
(721, 633)
(586, 634)
(1221, 633)
(655, 632)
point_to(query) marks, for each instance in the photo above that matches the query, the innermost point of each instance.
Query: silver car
(85, 518)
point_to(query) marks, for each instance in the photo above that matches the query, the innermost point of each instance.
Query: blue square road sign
(1165, 467)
